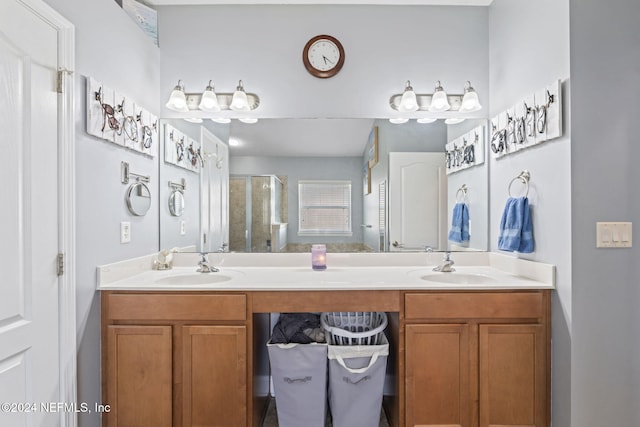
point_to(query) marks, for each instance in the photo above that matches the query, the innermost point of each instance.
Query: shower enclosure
(258, 213)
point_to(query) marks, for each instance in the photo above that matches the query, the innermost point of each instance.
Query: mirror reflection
(355, 185)
(176, 203)
(138, 199)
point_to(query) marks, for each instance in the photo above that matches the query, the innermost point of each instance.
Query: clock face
(323, 56)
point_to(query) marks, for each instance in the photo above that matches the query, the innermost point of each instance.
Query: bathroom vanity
(468, 348)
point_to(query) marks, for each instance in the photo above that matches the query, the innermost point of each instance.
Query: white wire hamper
(354, 328)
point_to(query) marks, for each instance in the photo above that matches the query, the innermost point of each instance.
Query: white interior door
(417, 201)
(29, 349)
(214, 215)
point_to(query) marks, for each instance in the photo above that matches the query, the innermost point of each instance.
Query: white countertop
(292, 272)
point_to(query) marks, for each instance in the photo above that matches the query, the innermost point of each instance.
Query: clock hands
(327, 60)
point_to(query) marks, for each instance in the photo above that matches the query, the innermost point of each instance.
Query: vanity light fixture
(210, 101)
(398, 120)
(437, 102)
(221, 120)
(248, 120)
(193, 119)
(424, 120)
(454, 120)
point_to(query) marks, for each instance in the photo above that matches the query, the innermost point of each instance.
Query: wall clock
(323, 56)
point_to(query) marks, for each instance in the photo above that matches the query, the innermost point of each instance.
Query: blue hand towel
(459, 224)
(516, 228)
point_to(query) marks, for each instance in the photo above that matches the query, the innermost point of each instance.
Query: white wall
(384, 46)
(110, 48)
(528, 50)
(605, 374)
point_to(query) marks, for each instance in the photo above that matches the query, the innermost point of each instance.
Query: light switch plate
(183, 228)
(614, 234)
(125, 232)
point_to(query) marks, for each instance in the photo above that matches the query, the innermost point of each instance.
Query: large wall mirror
(290, 183)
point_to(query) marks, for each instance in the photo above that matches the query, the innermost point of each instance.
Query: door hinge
(59, 81)
(60, 264)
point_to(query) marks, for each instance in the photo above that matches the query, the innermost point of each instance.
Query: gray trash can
(356, 383)
(299, 373)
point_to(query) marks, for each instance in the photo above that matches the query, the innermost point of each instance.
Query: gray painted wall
(476, 179)
(110, 48)
(384, 46)
(170, 225)
(528, 50)
(605, 372)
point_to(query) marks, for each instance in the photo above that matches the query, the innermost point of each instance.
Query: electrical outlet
(125, 232)
(613, 234)
(183, 228)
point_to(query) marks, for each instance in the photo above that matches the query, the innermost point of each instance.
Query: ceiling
(326, 2)
(301, 137)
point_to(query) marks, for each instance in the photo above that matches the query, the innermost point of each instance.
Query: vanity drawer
(177, 307)
(476, 305)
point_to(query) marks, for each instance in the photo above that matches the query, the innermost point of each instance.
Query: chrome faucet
(204, 265)
(447, 264)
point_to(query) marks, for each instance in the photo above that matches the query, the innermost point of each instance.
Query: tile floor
(271, 420)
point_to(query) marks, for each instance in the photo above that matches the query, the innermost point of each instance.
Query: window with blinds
(324, 208)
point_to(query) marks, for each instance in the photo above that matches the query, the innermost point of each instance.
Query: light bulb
(408, 103)
(177, 100)
(439, 101)
(453, 120)
(425, 120)
(209, 100)
(239, 101)
(398, 120)
(222, 120)
(470, 101)
(248, 120)
(193, 119)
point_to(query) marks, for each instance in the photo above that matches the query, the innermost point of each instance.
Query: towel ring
(463, 189)
(524, 178)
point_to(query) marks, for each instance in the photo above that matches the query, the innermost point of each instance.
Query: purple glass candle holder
(319, 257)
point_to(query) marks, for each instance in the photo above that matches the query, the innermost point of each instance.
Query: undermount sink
(460, 278)
(193, 279)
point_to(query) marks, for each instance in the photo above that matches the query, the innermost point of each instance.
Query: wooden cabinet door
(513, 376)
(214, 363)
(138, 382)
(437, 375)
